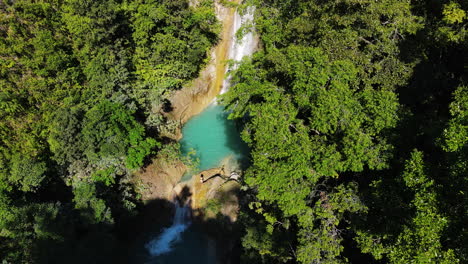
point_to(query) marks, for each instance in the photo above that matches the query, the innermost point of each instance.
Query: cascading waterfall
(171, 235)
(165, 242)
(216, 143)
(241, 47)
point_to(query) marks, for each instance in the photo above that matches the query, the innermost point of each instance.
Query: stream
(182, 242)
(213, 138)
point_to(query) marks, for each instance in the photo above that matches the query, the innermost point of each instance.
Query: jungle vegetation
(80, 84)
(356, 114)
(355, 111)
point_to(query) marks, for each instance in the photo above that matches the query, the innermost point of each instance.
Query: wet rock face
(198, 94)
(160, 178)
(213, 198)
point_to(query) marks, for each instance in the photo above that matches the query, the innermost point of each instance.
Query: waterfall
(240, 47)
(171, 235)
(236, 50)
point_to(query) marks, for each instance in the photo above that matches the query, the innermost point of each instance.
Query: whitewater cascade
(171, 235)
(241, 47)
(237, 50)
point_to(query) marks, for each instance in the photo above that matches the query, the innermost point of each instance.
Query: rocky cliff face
(217, 195)
(159, 179)
(215, 207)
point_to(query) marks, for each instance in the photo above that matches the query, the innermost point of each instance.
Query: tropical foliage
(355, 115)
(80, 87)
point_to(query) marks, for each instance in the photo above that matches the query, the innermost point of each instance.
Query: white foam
(240, 47)
(171, 235)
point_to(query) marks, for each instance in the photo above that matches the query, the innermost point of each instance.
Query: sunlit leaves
(306, 120)
(452, 26)
(77, 81)
(93, 209)
(110, 130)
(26, 172)
(453, 13)
(456, 135)
(420, 238)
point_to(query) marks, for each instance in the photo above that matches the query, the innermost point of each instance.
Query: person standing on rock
(223, 172)
(202, 179)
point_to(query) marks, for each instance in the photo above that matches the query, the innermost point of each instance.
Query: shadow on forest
(124, 241)
(437, 74)
(82, 242)
(158, 214)
(423, 116)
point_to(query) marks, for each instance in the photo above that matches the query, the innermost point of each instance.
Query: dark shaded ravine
(213, 138)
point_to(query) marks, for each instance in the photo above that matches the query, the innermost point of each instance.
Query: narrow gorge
(208, 192)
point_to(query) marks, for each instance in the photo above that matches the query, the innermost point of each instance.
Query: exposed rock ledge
(158, 180)
(160, 177)
(198, 94)
(217, 187)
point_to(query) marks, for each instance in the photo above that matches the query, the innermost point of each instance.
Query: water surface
(213, 137)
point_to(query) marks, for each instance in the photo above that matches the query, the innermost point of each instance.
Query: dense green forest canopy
(356, 113)
(80, 84)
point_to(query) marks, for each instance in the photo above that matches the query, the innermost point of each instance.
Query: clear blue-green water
(213, 137)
